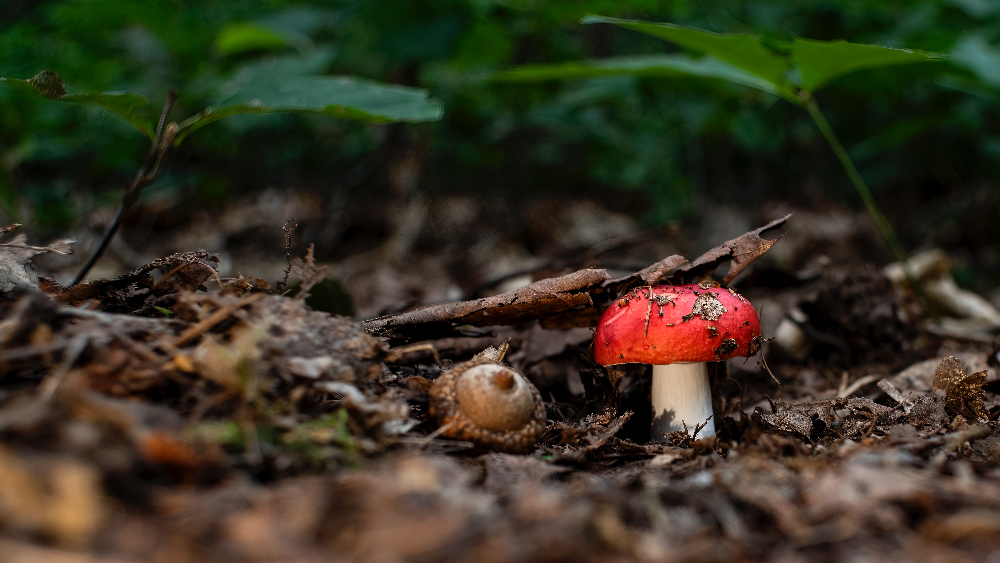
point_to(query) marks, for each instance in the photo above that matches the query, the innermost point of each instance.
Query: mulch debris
(172, 415)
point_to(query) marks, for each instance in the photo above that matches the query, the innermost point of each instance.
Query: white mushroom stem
(681, 394)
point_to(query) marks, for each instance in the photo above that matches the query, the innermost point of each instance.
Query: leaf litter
(146, 418)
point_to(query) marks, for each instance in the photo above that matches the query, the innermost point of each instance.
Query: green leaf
(268, 68)
(133, 108)
(742, 50)
(670, 66)
(819, 62)
(241, 37)
(336, 96)
(47, 84)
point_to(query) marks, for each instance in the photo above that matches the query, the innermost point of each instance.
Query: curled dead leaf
(963, 392)
(742, 251)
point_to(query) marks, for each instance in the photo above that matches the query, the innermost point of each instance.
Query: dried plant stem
(280, 286)
(143, 178)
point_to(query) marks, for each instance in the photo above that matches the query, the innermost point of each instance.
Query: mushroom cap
(686, 323)
(489, 404)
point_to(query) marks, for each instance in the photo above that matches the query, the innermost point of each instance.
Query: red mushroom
(678, 329)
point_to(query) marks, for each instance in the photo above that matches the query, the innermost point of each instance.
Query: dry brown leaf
(742, 251)
(567, 301)
(182, 271)
(307, 271)
(542, 298)
(583, 440)
(654, 274)
(963, 392)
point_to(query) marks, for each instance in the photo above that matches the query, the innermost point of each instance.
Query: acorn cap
(677, 323)
(490, 405)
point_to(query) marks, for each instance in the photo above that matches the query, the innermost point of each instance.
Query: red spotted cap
(677, 323)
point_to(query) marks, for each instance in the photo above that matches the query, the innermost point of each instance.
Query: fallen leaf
(545, 297)
(963, 392)
(654, 274)
(15, 260)
(742, 251)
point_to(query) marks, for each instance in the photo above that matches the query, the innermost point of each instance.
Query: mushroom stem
(681, 394)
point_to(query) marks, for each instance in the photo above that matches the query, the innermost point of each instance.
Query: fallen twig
(215, 318)
(573, 299)
(51, 383)
(848, 390)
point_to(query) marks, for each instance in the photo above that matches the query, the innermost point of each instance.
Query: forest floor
(183, 412)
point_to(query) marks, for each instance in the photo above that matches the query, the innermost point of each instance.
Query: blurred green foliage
(794, 70)
(925, 136)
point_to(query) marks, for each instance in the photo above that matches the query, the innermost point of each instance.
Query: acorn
(489, 404)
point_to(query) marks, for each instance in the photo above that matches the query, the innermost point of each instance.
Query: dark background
(516, 178)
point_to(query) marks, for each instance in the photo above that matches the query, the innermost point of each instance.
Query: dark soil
(178, 414)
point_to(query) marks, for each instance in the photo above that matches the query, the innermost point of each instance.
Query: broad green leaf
(241, 37)
(133, 108)
(819, 62)
(336, 96)
(269, 67)
(129, 106)
(672, 66)
(742, 50)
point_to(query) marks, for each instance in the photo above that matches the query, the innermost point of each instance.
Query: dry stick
(763, 363)
(955, 440)
(430, 437)
(214, 319)
(288, 252)
(121, 322)
(28, 247)
(143, 178)
(396, 355)
(847, 390)
(51, 383)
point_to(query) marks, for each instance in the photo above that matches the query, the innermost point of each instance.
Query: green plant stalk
(145, 176)
(859, 184)
(866, 195)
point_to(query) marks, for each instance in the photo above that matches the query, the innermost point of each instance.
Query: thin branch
(215, 318)
(145, 176)
(36, 248)
(848, 390)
